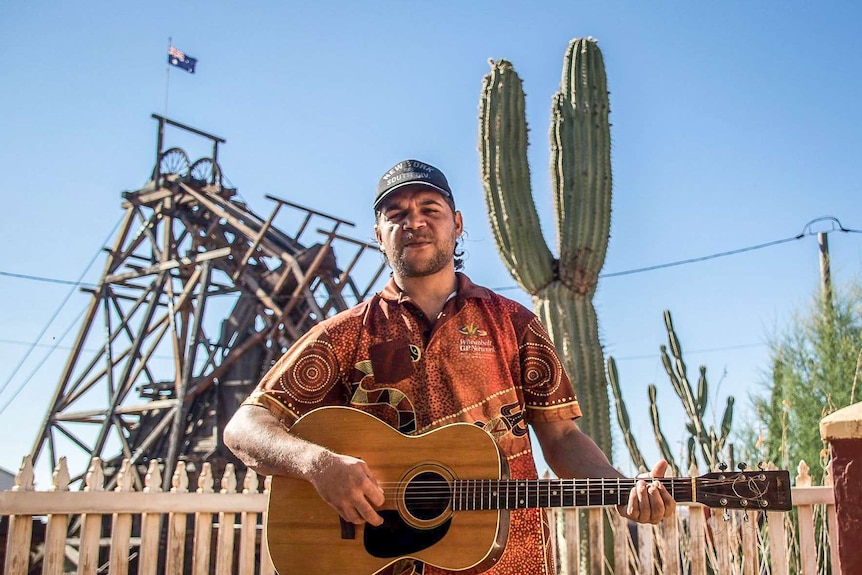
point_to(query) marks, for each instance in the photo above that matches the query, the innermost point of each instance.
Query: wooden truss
(199, 296)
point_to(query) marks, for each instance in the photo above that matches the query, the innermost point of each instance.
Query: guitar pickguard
(396, 538)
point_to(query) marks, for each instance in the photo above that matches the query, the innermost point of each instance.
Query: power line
(55, 314)
(806, 231)
(700, 259)
(39, 365)
(692, 351)
(47, 280)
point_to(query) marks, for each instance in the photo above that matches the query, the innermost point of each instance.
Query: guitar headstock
(756, 490)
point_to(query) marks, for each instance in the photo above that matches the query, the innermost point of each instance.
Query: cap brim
(414, 184)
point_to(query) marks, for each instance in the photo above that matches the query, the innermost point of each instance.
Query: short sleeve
(548, 391)
(306, 377)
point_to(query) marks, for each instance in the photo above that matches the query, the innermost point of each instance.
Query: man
(431, 349)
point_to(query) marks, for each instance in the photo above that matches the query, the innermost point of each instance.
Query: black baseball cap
(412, 173)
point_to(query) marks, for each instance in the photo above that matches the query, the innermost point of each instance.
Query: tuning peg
(722, 466)
(725, 516)
(742, 466)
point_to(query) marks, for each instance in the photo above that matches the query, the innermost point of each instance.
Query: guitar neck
(481, 494)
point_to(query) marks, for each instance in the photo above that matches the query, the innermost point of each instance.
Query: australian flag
(181, 60)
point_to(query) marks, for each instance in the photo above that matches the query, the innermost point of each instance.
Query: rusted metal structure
(199, 295)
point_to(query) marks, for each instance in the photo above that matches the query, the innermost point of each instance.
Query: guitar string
(433, 489)
(592, 486)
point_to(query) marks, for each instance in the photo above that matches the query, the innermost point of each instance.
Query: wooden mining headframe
(198, 297)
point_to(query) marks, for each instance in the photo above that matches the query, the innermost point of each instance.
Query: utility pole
(825, 274)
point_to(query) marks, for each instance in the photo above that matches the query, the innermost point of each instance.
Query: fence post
(20, 527)
(58, 524)
(843, 431)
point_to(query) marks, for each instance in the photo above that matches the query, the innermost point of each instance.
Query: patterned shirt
(486, 360)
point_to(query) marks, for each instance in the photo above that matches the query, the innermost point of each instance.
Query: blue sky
(734, 125)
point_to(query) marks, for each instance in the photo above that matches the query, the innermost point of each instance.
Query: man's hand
(346, 483)
(649, 502)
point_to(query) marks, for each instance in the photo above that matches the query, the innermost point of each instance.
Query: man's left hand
(649, 501)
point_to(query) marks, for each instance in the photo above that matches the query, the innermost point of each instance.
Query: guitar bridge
(348, 530)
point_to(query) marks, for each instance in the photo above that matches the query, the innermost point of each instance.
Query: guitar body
(306, 536)
(448, 496)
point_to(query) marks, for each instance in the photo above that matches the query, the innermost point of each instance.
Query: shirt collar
(466, 289)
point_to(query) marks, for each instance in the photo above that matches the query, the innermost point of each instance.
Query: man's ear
(377, 236)
(459, 224)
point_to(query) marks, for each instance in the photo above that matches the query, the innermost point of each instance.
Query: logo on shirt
(473, 330)
(475, 341)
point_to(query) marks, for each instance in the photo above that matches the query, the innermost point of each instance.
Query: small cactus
(710, 443)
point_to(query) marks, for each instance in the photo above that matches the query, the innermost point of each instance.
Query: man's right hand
(347, 484)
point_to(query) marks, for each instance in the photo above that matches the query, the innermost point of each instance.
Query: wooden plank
(672, 545)
(721, 530)
(778, 543)
(573, 541)
(266, 566)
(646, 551)
(91, 533)
(224, 548)
(35, 503)
(597, 539)
(176, 552)
(621, 544)
(750, 553)
(697, 524)
(18, 545)
(181, 262)
(121, 533)
(55, 545)
(247, 541)
(150, 531)
(807, 546)
(832, 526)
(812, 495)
(202, 544)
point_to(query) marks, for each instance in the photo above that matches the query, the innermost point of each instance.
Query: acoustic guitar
(448, 498)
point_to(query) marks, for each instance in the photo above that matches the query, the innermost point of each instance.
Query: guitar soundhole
(427, 496)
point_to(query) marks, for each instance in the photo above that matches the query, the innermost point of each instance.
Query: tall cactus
(562, 289)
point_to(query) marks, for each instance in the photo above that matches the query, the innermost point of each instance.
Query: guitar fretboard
(480, 494)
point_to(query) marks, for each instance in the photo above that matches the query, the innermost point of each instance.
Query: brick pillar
(843, 430)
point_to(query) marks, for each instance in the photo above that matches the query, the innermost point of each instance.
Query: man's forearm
(571, 453)
(262, 443)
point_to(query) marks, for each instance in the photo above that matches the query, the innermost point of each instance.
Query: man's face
(417, 230)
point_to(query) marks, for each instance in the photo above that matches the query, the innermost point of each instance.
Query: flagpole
(168, 75)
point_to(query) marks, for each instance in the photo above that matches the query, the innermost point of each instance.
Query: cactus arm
(581, 165)
(677, 372)
(623, 417)
(660, 439)
(702, 392)
(692, 453)
(506, 179)
(726, 423)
